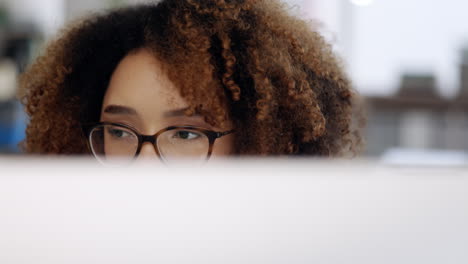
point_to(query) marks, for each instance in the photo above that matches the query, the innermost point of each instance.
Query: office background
(408, 59)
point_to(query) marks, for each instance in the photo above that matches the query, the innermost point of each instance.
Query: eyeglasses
(117, 144)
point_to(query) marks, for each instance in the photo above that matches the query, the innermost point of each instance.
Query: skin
(141, 95)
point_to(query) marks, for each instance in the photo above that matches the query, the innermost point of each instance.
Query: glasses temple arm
(222, 134)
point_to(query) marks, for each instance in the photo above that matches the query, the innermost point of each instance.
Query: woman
(197, 77)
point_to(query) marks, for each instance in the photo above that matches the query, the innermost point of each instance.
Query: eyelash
(202, 126)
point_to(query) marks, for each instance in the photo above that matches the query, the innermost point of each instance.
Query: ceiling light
(362, 2)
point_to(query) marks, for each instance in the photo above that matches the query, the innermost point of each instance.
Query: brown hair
(249, 61)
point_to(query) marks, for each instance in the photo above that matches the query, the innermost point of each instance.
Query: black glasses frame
(210, 134)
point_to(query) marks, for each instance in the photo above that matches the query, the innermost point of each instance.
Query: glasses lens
(183, 145)
(113, 145)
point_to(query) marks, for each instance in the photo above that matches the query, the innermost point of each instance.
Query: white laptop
(257, 211)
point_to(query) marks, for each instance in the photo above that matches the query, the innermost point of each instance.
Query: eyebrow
(120, 110)
(125, 110)
(178, 112)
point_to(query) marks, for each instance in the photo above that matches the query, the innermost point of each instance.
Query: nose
(148, 152)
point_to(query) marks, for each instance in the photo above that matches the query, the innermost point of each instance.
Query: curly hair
(247, 61)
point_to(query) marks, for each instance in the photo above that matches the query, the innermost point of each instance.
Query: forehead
(139, 81)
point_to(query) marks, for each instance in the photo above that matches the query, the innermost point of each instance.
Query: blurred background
(408, 59)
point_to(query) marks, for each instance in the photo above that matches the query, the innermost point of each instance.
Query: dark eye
(188, 135)
(118, 133)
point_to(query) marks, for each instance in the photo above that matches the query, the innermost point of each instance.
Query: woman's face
(141, 96)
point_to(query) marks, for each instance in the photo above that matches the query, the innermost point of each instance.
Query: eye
(118, 133)
(187, 135)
